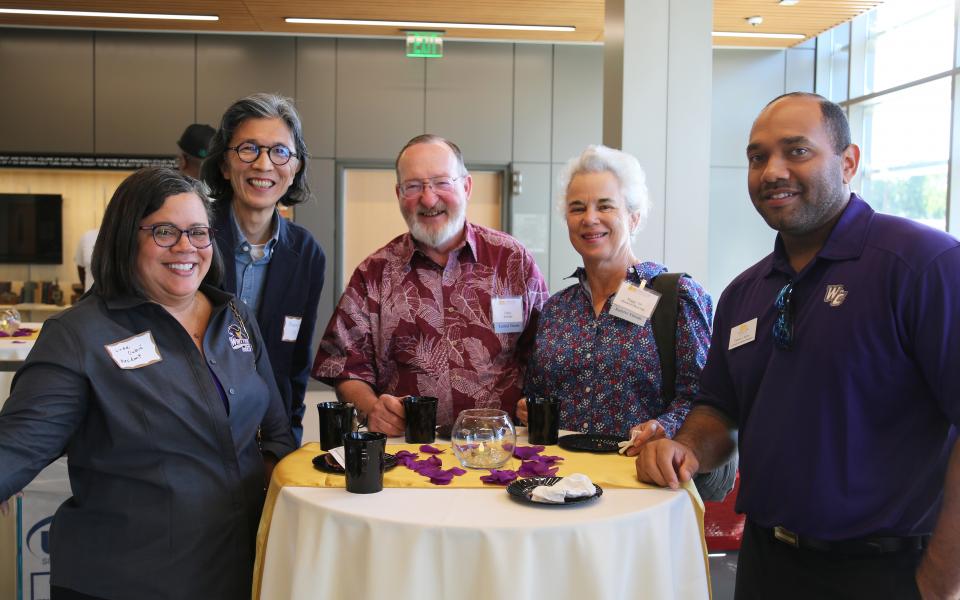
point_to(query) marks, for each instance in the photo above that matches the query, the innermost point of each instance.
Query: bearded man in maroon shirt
(448, 309)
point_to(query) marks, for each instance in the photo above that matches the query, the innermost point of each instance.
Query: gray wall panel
(577, 99)
(530, 212)
(145, 90)
(743, 82)
(380, 100)
(319, 216)
(738, 236)
(563, 258)
(47, 103)
(469, 99)
(230, 67)
(316, 93)
(532, 102)
(801, 63)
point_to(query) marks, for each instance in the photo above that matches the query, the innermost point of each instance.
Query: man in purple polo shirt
(835, 359)
(448, 309)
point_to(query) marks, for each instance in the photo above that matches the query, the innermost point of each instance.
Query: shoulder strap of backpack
(664, 323)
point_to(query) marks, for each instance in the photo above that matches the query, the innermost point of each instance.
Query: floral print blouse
(606, 370)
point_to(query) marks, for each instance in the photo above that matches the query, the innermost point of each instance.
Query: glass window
(906, 41)
(906, 150)
(833, 63)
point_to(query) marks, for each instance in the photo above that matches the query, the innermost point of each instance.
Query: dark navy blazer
(293, 286)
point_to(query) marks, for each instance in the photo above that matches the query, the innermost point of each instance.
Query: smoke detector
(755, 20)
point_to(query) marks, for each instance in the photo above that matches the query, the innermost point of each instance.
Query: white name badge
(133, 353)
(744, 333)
(291, 327)
(507, 314)
(634, 303)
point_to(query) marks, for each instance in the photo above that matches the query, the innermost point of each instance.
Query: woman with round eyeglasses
(258, 159)
(157, 387)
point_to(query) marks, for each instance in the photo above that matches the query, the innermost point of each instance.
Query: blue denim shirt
(252, 274)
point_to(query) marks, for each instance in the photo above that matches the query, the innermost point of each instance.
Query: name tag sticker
(507, 314)
(135, 352)
(291, 327)
(634, 303)
(744, 333)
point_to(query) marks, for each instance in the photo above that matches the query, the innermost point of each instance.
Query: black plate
(330, 465)
(590, 442)
(522, 488)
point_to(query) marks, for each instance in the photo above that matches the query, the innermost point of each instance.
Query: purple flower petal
(419, 465)
(436, 481)
(406, 458)
(532, 468)
(457, 471)
(547, 460)
(435, 473)
(525, 452)
(430, 449)
(499, 477)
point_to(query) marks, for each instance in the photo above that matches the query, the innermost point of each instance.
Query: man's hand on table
(666, 463)
(387, 415)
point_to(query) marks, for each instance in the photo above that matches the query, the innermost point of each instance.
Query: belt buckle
(786, 536)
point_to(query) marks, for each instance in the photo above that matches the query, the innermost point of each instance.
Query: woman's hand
(522, 410)
(643, 433)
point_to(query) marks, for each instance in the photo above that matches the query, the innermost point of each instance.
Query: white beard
(433, 237)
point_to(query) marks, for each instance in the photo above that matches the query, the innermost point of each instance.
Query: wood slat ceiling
(809, 17)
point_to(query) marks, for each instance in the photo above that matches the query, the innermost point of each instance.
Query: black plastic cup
(336, 419)
(420, 413)
(543, 419)
(364, 452)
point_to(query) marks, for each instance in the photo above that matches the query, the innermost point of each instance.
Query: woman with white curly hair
(595, 349)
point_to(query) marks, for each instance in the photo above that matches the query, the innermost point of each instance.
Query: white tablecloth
(461, 544)
(12, 348)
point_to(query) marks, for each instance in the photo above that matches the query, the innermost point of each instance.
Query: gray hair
(257, 106)
(625, 167)
(430, 138)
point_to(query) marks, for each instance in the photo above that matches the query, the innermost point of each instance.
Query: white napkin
(627, 443)
(576, 485)
(337, 454)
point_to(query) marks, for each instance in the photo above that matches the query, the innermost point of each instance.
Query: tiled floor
(723, 572)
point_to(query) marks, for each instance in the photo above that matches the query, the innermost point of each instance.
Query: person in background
(604, 364)
(447, 310)
(157, 387)
(194, 148)
(258, 159)
(835, 358)
(83, 258)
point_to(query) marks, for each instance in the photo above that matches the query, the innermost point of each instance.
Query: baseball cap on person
(196, 139)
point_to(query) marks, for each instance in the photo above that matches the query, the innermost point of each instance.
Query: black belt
(869, 546)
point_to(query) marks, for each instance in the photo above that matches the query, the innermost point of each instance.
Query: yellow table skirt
(606, 470)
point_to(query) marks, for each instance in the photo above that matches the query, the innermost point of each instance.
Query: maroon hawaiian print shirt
(406, 325)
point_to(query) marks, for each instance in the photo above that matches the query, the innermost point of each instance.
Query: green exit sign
(424, 44)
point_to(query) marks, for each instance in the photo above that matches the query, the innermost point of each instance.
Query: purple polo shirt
(846, 434)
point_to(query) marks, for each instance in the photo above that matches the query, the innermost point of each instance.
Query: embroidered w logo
(835, 295)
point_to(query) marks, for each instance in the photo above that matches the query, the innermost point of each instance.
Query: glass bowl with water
(483, 438)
